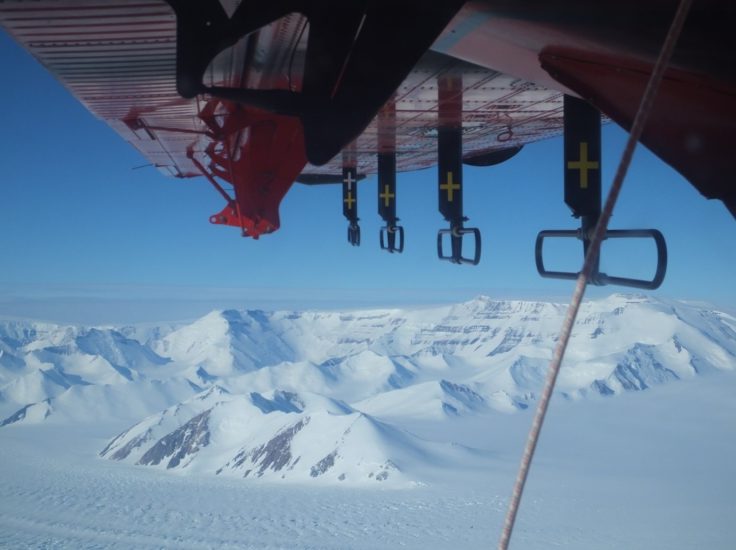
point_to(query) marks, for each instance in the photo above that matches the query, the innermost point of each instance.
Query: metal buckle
(456, 234)
(389, 242)
(354, 234)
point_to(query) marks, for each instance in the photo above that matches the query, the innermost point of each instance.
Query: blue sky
(84, 236)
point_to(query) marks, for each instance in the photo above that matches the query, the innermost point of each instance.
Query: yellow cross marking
(386, 196)
(583, 165)
(450, 187)
(350, 200)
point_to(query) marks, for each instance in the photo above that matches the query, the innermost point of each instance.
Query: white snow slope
(324, 404)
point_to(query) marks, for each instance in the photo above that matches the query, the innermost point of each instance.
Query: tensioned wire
(637, 128)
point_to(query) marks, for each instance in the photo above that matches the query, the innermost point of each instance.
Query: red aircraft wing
(251, 93)
(120, 60)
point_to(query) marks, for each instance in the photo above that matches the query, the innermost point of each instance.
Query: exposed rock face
(274, 455)
(323, 465)
(180, 444)
(19, 415)
(128, 446)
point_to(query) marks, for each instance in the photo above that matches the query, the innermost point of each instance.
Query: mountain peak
(287, 385)
(630, 298)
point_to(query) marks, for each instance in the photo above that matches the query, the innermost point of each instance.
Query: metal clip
(354, 234)
(389, 242)
(456, 233)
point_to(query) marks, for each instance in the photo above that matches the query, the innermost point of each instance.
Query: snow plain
(636, 469)
(654, 469)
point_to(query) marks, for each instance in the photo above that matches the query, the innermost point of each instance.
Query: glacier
(433, 400)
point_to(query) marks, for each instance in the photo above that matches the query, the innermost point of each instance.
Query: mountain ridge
(293, 381)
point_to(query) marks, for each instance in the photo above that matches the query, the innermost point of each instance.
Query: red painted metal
(213, 181)
(603, 51)
(692, 120)
(119, 59)
(269, 161)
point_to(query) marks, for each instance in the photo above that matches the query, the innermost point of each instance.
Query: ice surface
(645, 470)
(374, 429)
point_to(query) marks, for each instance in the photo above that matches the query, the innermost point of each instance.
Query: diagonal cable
(642, 114)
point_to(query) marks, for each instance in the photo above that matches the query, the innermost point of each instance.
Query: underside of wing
(257, 95)
(120, 60)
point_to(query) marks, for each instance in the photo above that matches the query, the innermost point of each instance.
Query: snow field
(642, 471)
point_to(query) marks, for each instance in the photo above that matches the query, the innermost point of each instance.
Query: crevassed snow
(644, 470)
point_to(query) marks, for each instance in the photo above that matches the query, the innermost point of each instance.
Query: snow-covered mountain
(325, 395)
(279, 435)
